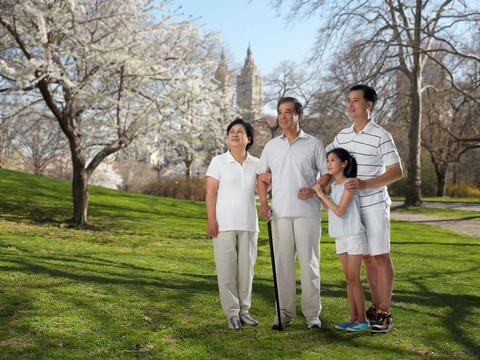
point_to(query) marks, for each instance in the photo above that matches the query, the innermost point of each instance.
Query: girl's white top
(350, 222)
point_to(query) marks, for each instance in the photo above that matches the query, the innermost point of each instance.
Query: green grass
(142, 285)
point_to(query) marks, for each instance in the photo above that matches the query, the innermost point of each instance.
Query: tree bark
(441, 172)
(80, 192)
(188, 164)
(413, 196)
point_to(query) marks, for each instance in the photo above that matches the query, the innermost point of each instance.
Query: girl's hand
(318, 189)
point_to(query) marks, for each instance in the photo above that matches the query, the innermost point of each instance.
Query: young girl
(345, 226)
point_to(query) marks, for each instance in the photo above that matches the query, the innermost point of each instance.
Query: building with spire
(223, 78)
(249, 90)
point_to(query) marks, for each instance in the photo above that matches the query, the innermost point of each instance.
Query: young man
(378, 166)
(294, 159)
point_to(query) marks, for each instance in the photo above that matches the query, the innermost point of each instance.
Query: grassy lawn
(142, 285)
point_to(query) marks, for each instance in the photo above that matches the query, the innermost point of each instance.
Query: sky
(272, 37)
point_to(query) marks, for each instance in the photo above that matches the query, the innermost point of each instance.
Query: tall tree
(404, 35)
(107, 71)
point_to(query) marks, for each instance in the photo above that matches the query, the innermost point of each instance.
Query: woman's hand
(212, 228)
(265, 211)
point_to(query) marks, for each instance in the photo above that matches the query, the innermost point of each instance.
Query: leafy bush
(460, 191)
(177, 188)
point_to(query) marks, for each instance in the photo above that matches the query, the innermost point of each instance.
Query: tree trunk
(441, 172)
(413, 196)
(80, 191)
(188, 165)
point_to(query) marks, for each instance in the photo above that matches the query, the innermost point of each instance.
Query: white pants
(235, 255)
(298, 236)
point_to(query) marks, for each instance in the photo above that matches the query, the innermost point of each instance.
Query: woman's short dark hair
(248, 128)
(350, 170)
(369, 93)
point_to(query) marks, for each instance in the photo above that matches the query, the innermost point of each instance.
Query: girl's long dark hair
(350, 170)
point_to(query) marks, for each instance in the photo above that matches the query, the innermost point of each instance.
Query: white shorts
(377, 223)
(352, 245)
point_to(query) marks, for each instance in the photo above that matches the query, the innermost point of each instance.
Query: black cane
(280, 327)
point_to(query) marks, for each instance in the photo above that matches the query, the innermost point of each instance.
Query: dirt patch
(13, 342)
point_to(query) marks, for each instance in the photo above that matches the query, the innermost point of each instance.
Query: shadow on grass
(152, 284)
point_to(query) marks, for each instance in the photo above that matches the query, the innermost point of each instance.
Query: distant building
(248, 99)
(249, 90)
(223, 78)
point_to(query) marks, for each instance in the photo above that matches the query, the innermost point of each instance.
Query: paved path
(472, 206)
(464, 226)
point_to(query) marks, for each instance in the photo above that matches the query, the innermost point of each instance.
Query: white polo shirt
(294, 166)
(235, 208)
(374, 150)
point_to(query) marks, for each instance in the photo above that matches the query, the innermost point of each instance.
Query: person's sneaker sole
(380, 331)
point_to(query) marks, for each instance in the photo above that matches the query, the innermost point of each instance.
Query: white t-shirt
(294, 166)
(235, 207)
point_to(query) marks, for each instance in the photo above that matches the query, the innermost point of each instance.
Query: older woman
(233, 223)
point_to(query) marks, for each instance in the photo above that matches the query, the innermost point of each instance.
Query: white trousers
(298, 236)
(235, 255)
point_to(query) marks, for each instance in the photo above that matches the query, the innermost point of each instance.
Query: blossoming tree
(108, 71)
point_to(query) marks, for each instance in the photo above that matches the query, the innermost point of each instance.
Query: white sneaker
(313, 322)
(286, 320)
(234, 323)
(247, 319)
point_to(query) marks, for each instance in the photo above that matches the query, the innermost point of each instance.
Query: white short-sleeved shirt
(374, 150)
(294, 166)
(235, 207)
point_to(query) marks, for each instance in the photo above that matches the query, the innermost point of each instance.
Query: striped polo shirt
(373, 149)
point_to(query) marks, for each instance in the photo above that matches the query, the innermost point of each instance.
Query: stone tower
(224, 79)
(249, 90)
